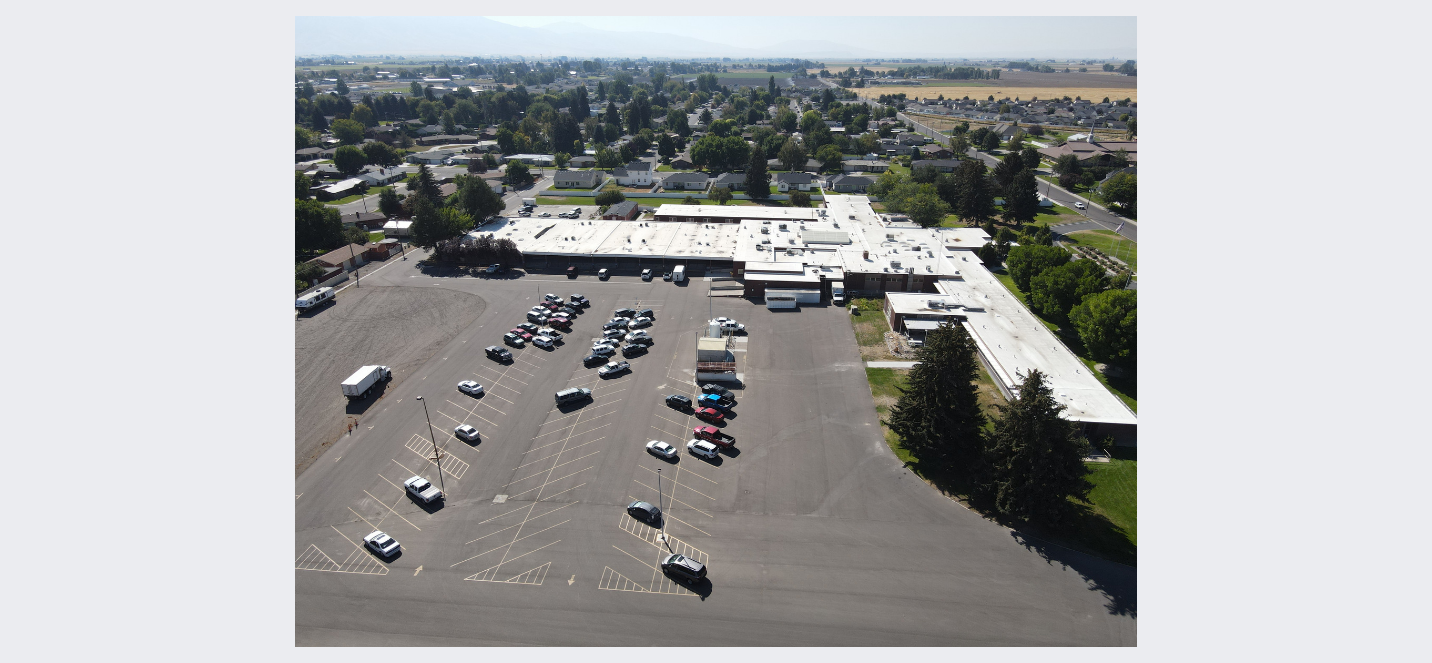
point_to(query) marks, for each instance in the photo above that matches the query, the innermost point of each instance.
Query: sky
(956, 36)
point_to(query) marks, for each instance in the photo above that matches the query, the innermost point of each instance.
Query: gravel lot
(401, 327)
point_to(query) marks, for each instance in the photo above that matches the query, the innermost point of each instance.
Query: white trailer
(529, 202)
(837, 293)
(361, 382)
(679, 274)
(314, 299)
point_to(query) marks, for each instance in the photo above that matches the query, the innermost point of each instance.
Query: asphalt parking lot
(812, 532)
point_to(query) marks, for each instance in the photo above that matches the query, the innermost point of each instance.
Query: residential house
(684, 182)
(798, 181)
(636, 173)
(446, 139)
(936, 152)
(940, 165)
(577, 179)
(530, 159)
(446, 190)
(732, 181)
(341, 189)
(1093, 153)
(864, 166)
(349, 257)
(313, 153)
(582, 161)
(429, 158)
(850, 183)
(912, 138)
(622, 211)
(379, 176)
(369, 220)
(682, 161)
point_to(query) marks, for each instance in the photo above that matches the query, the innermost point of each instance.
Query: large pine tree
(938, 415)
(1035, 459)
(758, 179)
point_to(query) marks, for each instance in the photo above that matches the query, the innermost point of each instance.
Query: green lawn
(1115, 493)
(575, 201)
(357, 196)
(1110, 242)
(375, 237)
(663, 168)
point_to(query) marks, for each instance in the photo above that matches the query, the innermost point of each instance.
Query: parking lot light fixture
(437, 456)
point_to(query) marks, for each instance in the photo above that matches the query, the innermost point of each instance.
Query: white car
(423, 489)
(661, 449)
(382, 544)
(636, 335)
(640, 322)
(1080, 205)
(542, 342)
(469, 387)
(552, 298)
(550, 333)
(612, 368)
(467, 432)
(702, 448)
(729, 324)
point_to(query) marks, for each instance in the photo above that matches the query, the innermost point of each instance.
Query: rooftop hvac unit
(765, 231)
(930, 269)
(895, 264)
(935, 303)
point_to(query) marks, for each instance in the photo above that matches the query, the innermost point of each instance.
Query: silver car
(659, 448)
(382, 544)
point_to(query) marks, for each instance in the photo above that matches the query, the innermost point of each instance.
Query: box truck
(837, 293)
(679, 274)
(361, 383)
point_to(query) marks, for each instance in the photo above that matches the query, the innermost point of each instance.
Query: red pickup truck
(713, 435)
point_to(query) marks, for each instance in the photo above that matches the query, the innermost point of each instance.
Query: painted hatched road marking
(452, 465)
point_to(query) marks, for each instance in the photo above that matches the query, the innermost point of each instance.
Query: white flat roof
(738, 212)
(1015, 342)
(617, 238)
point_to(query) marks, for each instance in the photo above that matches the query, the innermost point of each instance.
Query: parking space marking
(501, 398)
(393, 511)
(676, 481)
(659, 584)
(553, 495)
(673, 499)
(479, 401)
(648, 534)
(544, 485)
(682, 424)
(507, 545)
(491, 571)
(461, 421)
(314, 559)
(455, 466)
(558, 430)
(546, 457)
(548, 470)
(530, 577)
(618, 582)
(503, 376)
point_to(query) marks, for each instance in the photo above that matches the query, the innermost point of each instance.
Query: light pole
(662, 536)
(357, 278)
(437, 456)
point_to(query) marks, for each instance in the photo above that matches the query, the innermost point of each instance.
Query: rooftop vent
(895, 264)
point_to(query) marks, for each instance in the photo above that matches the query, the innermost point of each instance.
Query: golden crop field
(982, 90)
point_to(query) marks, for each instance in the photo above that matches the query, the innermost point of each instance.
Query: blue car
(713, 400)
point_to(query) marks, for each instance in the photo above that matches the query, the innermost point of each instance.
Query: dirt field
(400, 327)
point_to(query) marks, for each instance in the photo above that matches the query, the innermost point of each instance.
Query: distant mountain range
(478, 36)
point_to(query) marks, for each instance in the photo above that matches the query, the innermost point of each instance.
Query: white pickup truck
(423, 489)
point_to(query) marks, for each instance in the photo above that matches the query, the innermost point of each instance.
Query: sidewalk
(890, 364)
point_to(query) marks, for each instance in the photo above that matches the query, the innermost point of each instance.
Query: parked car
(523, 333)
(423, 489)
(550, 333)
(602, 274)
(659, 448)
(604, 349)
(683, 568)
(703, 449)
(579, 300)
(467, 433)
(594, 358)
(678, 401)
(624, 313)
(382, 544)
(646, 274)
(616, 323)
(613, 368)
(528, 327)
(1080, 205)
(640, 322)
(469, 387)
(714, 389)
(537, 318)
(568, 311)
(613, 334)
(546, 215)
(572, 272)
(543, 342)
(713, 434)
(645, 511)
(666, 276)
(646, 313)
(513, 340)
(710, 414)
(500, 354)
(491, 269)
(633, 350)
(551, 298)
(637, 334)
(716, 401)
(645, 341)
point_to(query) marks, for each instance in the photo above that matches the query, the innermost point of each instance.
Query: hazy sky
(958, 36)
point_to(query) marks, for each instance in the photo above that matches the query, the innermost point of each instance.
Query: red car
(710, 414)
(713, 435)
(523, 333)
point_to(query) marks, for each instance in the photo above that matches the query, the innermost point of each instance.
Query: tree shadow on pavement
(1117, 582)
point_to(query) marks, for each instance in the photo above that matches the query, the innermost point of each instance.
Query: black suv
(714, 389)
(646, 313)
(641, 340)
(679, 402)
(630, 351)
(593, 359)
(500, 354)
(683, 568)
(578, 300)
(624, 313)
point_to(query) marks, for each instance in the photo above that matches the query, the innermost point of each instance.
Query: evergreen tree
(1034, 462)
(1021, 198)
(388, 202)
(425, 185)
(758, 180)
(938, 417)
(976, 199)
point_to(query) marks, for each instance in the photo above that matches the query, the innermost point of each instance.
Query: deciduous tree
(1107, 323)
(388, 202)
(1056, 290)
(476, 198)
(317, 227)
(518, 174)
(348, 132)
(800, 199)
(433, 224)
(926, 209)
(720, 194)
(611, 194)
(301, 186)
(349, 159)
(1122, 190)
(1026, 262)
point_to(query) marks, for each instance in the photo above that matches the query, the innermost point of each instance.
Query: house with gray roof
(577, 179)
(684, 182)
(798, 181)
(732, 181)
(850, 183)
(940, 165)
